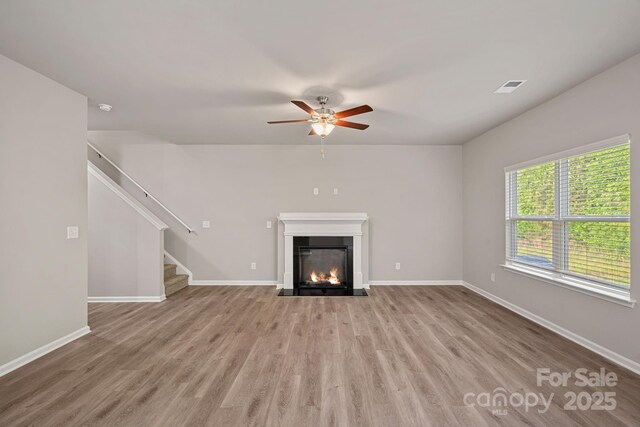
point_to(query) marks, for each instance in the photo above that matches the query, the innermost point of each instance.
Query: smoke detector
(510, 86)
(105, 107)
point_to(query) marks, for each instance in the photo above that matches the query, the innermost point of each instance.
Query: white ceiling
(213, 72)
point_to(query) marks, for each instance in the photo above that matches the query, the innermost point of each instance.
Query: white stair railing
(146, 193)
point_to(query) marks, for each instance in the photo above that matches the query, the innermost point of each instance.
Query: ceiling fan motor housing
(324, 114)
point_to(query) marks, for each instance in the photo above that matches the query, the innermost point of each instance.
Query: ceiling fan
(323, 120)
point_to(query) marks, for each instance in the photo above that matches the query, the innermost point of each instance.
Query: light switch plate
(73, 232)
(335, 191)
(493, 277)
(316, 191)
(397, 266)
(206, 224)
(253, 265)
(268, 224)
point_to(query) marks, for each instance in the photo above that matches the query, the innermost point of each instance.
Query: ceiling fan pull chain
(322, 146)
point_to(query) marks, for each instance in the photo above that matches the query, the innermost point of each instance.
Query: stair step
(175, 283)
(175, 279)
(170, 290)
(169, 271)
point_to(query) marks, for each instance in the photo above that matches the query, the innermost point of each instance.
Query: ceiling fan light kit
(322, 128)
(323, 120)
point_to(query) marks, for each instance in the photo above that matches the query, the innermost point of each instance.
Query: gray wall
(604, 106)
(43, 189)
(413, 195)
(126, 250)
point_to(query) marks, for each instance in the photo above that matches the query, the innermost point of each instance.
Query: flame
(334, 278)
(322, 277)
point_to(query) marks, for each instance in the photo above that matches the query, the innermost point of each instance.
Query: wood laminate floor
(230, 356)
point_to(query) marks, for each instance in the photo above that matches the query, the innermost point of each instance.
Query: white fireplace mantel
(323, 224)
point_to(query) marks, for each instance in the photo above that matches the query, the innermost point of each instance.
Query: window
(567, 217)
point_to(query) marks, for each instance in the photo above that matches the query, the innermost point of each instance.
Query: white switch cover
(206, 224)
(315, 191)
(493, 277)
(397, 266)
(335, 191)
(253, 265)
(268, 224)
(73, 232)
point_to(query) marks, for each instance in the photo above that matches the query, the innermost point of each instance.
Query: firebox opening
(323, 266)
(323, 263)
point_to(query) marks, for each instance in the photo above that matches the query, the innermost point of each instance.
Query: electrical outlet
(268, 224)
(253, 265)
(493, 277)
(73, 232)
(335, 191)
(206, 224)
(316, 191)
(397, 266)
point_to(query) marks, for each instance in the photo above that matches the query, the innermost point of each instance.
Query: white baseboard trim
(234, 283)
(364, 285)
(41, 351)
(415, 282)
(181, 268)
(590, 345)
(127, 299)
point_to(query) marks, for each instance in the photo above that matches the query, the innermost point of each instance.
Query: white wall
(602, 107)
(43, 189)
(413, 195)
(126, 244)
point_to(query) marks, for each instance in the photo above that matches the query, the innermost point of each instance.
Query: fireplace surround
(322, 253)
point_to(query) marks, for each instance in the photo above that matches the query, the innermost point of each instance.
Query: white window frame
(559, 275)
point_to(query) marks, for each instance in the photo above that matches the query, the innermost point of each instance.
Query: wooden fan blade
(351, 125)
(288, 121)
(353, 111)
(312, 132)
(304, 106)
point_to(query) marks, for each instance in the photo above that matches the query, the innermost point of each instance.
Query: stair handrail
(146, 193)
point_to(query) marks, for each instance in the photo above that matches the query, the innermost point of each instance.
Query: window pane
(536, 190)
(599, 183)
(534, 243)
(600, 250)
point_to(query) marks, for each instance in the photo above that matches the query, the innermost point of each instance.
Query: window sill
(621, 296)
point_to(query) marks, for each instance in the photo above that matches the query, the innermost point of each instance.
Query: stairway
(174, 282)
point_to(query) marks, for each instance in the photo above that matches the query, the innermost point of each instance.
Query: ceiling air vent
(510, 86)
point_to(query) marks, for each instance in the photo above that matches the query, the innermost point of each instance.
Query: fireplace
(323, 265)
(323, 253)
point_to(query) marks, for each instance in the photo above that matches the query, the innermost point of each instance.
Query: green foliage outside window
(598, 185)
